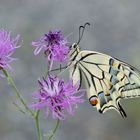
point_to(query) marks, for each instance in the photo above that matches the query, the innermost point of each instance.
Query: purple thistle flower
(57, 97)
(8, 46)
(54, 45)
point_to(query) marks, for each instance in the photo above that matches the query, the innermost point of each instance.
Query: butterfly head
(74, 50)
(74, 47)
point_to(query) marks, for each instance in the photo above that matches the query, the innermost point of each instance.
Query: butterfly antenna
(81, 27)
(81, 31)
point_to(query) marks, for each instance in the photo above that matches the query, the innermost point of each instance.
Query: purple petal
(37, 50)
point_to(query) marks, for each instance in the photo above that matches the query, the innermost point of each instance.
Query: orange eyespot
(93, 101)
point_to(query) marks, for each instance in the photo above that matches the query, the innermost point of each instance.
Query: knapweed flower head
(54, 46)
(57, 97)
(8, 46)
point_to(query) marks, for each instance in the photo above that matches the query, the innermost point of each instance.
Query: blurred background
(114, 30)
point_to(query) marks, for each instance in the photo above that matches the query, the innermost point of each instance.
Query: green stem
(56, 127)
(18, 95)
(46, 73)
(36, 118)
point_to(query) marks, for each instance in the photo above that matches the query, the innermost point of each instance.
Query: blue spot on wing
(101, 98)
(113, 71)
(114, 80)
